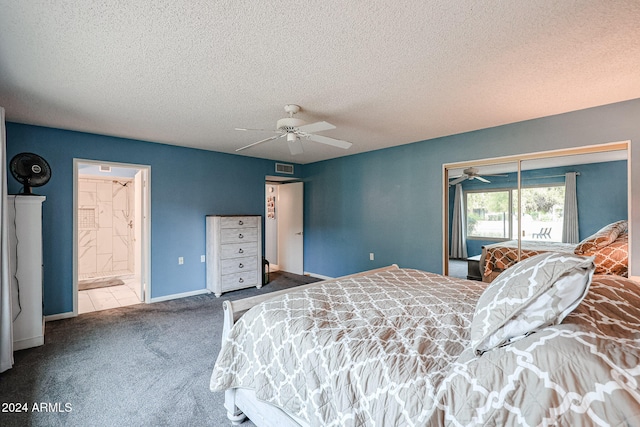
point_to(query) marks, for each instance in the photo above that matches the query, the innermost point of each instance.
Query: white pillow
(536, 292)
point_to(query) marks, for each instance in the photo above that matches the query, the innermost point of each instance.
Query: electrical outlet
(202, 258)
(180, 260)
(371, 256)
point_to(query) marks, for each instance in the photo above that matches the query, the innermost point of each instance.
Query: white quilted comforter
(391, 348)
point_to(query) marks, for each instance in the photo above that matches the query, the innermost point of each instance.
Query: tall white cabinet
(25, 247)
(234, 252)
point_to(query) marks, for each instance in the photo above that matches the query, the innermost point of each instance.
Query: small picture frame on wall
(271, 207)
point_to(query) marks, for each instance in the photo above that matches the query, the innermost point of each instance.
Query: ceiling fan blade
(479, 178)
(458, 180)
(329, 141)
(261, 141)
(253, 130)
(316, 127)
(295, 146)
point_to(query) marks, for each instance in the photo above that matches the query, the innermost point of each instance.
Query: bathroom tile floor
(109, 297)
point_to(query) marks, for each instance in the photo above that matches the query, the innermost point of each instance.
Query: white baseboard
(274, 267)
(58, 316)
(28, 343)
(182, 295)
(318, 276)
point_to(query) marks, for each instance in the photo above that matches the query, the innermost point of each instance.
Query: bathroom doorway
(284, 238)
(111, 235)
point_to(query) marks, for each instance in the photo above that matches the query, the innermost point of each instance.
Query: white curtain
(570, 225)
(458, 229)
(6, 323)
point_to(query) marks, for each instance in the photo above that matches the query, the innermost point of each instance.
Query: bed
(609, 246)
(497, 257)
(399, 346)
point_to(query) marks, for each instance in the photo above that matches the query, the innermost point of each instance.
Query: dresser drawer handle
(240, 222)
(240, 236)
(240, 251)
(241, 265)
(241, 280)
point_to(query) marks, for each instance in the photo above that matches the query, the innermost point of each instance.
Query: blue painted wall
(186, 185)
(601, 191)
(361, 204)
(390, 201)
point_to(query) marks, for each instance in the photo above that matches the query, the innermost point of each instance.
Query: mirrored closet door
(499, 211)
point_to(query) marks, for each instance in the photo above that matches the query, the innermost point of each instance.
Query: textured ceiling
(385, 72)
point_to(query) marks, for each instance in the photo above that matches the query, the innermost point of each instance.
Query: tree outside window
(491, 214)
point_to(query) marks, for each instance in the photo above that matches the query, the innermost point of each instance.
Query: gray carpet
(142, 365)
(458, 268)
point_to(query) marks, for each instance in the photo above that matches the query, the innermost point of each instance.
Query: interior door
(290, 227)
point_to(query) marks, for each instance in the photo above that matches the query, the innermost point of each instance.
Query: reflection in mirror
(598, 195)
(561, 200)
(483, 210)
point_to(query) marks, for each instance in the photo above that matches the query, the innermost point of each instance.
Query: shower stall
(106, 228)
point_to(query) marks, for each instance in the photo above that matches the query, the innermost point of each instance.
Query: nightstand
(473, 268)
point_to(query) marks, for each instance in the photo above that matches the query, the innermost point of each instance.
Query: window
(492, 214)
(543, 213)
(489, 214)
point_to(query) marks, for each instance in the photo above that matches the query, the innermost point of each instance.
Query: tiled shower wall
(105, 227)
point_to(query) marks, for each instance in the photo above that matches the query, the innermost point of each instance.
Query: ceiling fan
(471, 173)
(296, 129)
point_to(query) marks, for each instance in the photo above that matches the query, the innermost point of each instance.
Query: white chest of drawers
(234, 252)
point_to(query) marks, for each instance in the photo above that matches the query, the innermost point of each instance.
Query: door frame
(145, 256)
(278, 181)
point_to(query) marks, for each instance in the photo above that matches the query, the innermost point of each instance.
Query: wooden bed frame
(242, 403)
